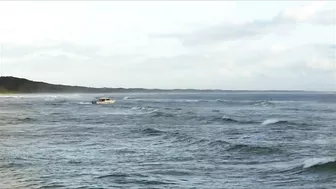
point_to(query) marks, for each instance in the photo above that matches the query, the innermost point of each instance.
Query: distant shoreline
(12, 85)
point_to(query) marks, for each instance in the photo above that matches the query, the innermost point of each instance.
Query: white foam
(187, 100)
(317, 161)
(270, 121)
(225, 117)
(162, 100)
(10, 96)
(84, 103)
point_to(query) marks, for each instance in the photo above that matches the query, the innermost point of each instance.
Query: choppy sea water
(155, 140)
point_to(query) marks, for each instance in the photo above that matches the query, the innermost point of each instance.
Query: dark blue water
(200, 140)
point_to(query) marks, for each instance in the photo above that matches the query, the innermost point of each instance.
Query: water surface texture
(199, 140)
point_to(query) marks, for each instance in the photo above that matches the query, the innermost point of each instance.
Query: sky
(232, 45)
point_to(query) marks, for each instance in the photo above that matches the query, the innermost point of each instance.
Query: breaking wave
(326, 163)
(273, 121)
(228, 119)
(281, 122)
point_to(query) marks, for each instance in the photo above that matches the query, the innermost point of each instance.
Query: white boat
(104, 100)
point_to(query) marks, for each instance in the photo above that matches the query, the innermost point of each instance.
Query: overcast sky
(212, 45)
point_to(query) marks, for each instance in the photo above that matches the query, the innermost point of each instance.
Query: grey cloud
(296, 59)
(230, 32)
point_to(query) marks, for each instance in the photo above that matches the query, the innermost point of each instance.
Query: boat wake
(85, 103)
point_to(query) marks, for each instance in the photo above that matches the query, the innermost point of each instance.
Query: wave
(281, 122)
(181, 138)
(233, 147)
(58, 102)
(221, 145)
(273, 121)
(226, 119)
(223, 101)
(14, 121)
(319, 110)
(174, 172)
(157, 113)
(144, 108)
(243, 148)
(152, 132)
(217, 143)
(322, 164)
(255, 149)
(115, 175)
(26, 119)
(264, 103)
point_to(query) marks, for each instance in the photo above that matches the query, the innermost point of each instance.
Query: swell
(15, 121)
(255, 149)
(134, 178)
(319, 110)
(119, 175)
(242, 148)
(222, 119)
(161, 114)
(152, 132)
(195, 117)
(225, 119)
(178, 138)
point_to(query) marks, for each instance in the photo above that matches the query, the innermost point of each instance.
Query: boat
(104, 100)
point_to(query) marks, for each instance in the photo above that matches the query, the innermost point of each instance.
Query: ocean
(210, 140)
